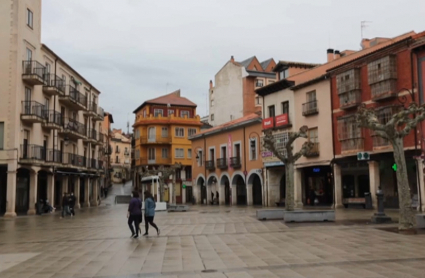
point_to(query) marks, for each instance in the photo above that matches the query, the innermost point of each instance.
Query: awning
(76, 174)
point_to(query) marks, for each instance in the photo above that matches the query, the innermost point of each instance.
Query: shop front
(276, 183)
(317, 186)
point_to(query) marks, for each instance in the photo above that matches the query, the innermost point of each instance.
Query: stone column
(64, 185)
(338, 186)
(249, 199)
(170, 192)
(374, 181)
(51, 189)
(267, 188)
(298, 188)
(421, 186)
(11, 190)
(77, 192)
(183, 194)
(95, 186)
(33, 192)
(87, 183)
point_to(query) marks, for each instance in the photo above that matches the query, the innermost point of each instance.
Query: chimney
(365, 43)
(211, 84)
(330, 53)
(232, 59)
(337, 54)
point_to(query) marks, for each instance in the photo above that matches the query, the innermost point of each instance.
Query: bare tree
(394, 130)
(289, 159)
(163, 174)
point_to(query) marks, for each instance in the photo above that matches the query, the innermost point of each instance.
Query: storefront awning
(76, 174)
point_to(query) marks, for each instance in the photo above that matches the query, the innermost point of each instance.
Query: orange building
(227, 162)
(161, 132)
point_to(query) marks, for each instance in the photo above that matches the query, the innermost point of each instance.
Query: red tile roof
(173, 98)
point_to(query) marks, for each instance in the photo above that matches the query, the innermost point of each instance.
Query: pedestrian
(72, 201)
(65, 205)
(217, 196)
(134, 214)
(150, 212)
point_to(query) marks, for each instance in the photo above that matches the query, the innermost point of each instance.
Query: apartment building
(232, 95)
(106, 130)
(227, 163)
(161, 130)
(120, 156)
(49, 119)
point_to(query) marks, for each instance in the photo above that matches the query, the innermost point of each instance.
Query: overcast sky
(131, 49)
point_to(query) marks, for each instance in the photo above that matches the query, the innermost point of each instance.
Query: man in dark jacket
(72, 204)
(134, 214)
(65, 205)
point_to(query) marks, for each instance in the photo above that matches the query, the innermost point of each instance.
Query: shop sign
(363, 156)
(268, 123)
(266, 154)
(275, 163)
(282, 120)
(316, 170)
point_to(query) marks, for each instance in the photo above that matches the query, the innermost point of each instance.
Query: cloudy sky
(135, 50)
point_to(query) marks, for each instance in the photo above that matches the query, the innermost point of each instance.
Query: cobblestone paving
(204, 242)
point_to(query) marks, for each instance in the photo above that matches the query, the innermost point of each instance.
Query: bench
(270, 214)
(309, 216)
(177, 207)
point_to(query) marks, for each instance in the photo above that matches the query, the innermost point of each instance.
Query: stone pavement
(204, 242)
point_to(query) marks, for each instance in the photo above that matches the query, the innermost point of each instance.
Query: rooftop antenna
(363, 25)
(128, 125)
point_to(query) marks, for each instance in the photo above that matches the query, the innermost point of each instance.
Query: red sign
(268, 123)
(282, 120)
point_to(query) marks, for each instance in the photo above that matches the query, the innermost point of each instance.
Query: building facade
(161, 131)
(232, 95)
(227, 162)
(49, 119)
(120, 156)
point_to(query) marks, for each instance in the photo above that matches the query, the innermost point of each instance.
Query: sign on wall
(266, 154)
(268, 123)
(282, 120)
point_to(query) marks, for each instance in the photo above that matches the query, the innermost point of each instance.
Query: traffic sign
(394, 167)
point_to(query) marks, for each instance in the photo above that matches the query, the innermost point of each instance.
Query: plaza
(206, 241)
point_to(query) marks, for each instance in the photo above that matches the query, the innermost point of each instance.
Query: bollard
(380, 217)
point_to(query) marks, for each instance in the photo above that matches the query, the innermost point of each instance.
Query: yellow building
(161, 129)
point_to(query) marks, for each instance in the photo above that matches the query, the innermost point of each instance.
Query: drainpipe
(333, 143)
(244, 154)
(55, 131)
(205, 169)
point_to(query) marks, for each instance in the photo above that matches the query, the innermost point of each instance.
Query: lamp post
(205, 170)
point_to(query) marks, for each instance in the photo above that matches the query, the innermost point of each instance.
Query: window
(117, 149)
(137, 154)
(178, 174)
(188, 173)
(47, 68)
(158, 112)
(259, 83)
(116, 159)
(199, 157)
(46, 104)
(212, 117)
(253, 149)
(189, 153)
(257, 100)
(271, 111)
(164, 132)
(29, 54)
(152, 134)
(192, 131)
(151, 154)
(285, 107)
(179, 153)
(170, 112)
(1, 135)
(212, 102)
(30, 18)
(283, 74)
(144, 113)
(184, 113)
(164, 153)
(64, 79)
(179, 132)
(313, 135)
(349, 134)
(311, 96)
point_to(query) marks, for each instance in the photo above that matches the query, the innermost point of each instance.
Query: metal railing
(92, 134)
(55, 156)
(35, 152)
(52, 80)
(310, 108)
(352, 144)
(75, 95)
(222, 163)
(100, 112)
(92, 107)
(100, 164)
(93, 163)
(75, 160)
(314, 151)
(157, 139)
(34, 108)
(209, 165)
(74, 126)
(33, 68)
(350, 99)
(54, 117)
(101, 137)
(235, 162)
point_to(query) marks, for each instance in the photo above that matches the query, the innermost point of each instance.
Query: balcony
(235, 162)
(117, 150)
(167, 120)
(155, 140)
(384, 90)
(91, 109)
(352, 144)
(310, 108)
(100, 164)
(91, 136)
(73, 129)
(54, 157)
(155, 161)
(32, 154)
(74, 160)
(314, 152)
(117, 160)
(209, 165)
(350, 99)
(92, 163)
(53, 120)
(33, 112)
(126, 153)
(33, 72)
(222, 163)
(54, 85)
(74, 99)
(100, 140)
(100, 114)
(379, 142)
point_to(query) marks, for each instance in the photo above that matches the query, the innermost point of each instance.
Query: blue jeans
(65, 209)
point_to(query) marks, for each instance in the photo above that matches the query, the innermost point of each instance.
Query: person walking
(150, 212)
(65, 205)
(134, 214)
(72, 201)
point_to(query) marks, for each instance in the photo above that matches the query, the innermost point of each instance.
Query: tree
(163, 174)
(394, 130)
(289, 159)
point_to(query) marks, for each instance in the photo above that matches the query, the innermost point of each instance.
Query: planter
(309, 216)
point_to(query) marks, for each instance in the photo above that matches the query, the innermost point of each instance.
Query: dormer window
(283, 74)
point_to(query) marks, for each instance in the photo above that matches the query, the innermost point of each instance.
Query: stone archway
(238, 183)
(22, 191)
(202, 189)
(225, 189)
(211, 188)
(42, 185)
(254, 181)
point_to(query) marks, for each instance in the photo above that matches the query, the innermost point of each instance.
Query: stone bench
(309, 216)
(177, 208)
(420, 221)
(270, 214)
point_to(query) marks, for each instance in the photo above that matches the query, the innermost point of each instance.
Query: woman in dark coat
(134, 214)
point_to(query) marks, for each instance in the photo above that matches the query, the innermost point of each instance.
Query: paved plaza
(204, 242)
